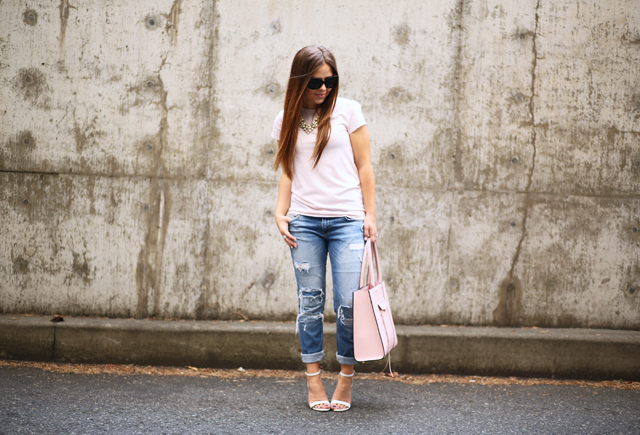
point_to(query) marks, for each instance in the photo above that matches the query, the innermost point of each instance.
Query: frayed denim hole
(310, 300)
(356, 246)
(344, 316)
(305, 319)
(302, 266)
(309, 308)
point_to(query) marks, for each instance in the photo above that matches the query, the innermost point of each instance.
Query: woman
(328, 190)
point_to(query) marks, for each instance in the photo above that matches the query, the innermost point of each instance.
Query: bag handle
(368, 261)
(374, 248)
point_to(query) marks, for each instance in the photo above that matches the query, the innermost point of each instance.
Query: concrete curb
(553, 353)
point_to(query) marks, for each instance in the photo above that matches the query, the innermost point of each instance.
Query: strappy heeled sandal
(313, 405)
(346, 405)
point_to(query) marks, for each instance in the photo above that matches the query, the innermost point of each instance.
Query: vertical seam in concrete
(149, 271)
(173, 21)
(457, 168)
(64, 18)
(163, 209)
(534, 63)
(202, 310)
(212, 137)
(458, 89)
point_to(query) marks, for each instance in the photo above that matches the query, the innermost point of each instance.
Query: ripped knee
(310, 307)
(310, 300)
(344, 316)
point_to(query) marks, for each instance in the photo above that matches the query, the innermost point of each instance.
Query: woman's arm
(362, 153)
(284, 202)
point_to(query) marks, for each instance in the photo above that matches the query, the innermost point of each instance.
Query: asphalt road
(33, 401)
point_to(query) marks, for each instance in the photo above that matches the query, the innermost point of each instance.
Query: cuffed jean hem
(347, 360)
(313, 357)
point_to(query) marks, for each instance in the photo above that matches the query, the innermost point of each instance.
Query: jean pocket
(350, 219)
(294, 216)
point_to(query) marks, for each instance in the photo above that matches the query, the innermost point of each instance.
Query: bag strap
(374, 248)
(366, 261)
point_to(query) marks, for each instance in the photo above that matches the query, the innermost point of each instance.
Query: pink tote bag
(374, 334)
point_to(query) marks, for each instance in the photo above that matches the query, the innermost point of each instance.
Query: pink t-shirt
(331, 189)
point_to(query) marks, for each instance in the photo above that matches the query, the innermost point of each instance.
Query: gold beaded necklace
(306, 127)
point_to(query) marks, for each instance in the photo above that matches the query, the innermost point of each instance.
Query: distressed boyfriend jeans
(343, 239)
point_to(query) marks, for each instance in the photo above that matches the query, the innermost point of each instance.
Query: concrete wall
(135, 157)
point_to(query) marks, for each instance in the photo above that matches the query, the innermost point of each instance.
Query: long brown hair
(305, 63)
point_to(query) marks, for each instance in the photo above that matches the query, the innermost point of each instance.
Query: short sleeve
(356, 120)
(277, 125)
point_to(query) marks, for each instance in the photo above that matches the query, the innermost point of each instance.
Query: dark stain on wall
(64, 18)
(173, 20)
(21, 143)
(82, 268)
(20, 265)
(31, 84)
(30, 17)
(397, 96)
(149, 266)
(147, 91)
(508, 310)
(400, 34)
(142, 282)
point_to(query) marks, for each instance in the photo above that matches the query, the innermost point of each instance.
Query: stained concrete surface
(33, 401)
(136, 165)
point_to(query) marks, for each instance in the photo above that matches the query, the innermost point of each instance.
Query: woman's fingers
(283, 227)
(289, 239)
(370, 232)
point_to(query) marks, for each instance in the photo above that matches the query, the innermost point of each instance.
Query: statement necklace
(306, 127)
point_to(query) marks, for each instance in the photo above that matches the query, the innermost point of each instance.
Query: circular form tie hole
(30, 17)
(151, 22)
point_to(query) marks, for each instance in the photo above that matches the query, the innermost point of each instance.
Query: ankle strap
(312, 374)
(348, 376)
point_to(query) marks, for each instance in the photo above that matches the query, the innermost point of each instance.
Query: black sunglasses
(329, 82)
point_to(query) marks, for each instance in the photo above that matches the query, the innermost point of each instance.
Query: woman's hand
(283, 226)
(284, 202)
(370, 229)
